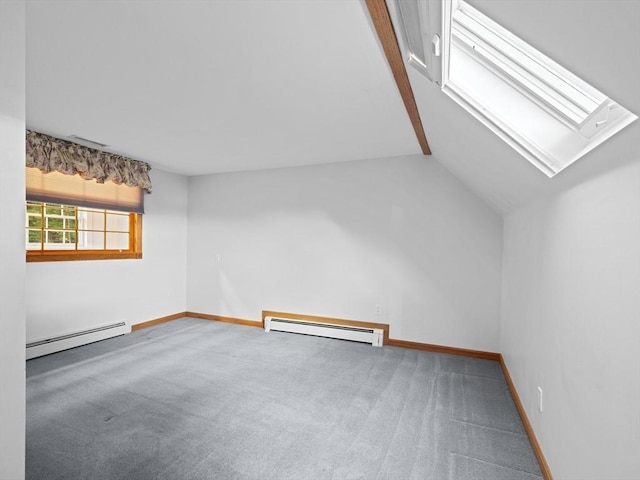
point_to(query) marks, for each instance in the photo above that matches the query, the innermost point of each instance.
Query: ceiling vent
(86, 142)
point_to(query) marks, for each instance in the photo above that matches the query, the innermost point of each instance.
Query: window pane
(51, 209)
(70, 237)
(34, 236)
(93, 220)
(34, 207)
(117, 223)
(69, 211)
(117, 241)
(90, 241)
(35, 221)
(70, 223)
(54, 222)
(54, 236)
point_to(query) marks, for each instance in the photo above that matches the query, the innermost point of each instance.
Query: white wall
(65, 297)
(571, 323)
(335, 240)
(12, 265)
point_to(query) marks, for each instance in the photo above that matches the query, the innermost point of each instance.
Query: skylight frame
(551, 117)
(553, 87)
(422, 52)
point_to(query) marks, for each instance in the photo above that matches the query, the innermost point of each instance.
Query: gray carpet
(197, 399)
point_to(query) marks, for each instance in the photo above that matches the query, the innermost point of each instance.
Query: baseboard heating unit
(75, 339)
(374, 336)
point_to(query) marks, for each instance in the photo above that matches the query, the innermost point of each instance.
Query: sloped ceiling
(197, 87)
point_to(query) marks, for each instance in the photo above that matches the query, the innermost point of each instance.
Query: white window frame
(578, 116)
(535, 75)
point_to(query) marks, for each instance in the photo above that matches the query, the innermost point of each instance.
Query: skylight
(524, 67)
(542, 110)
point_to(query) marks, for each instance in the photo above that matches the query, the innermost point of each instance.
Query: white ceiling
(197, 87)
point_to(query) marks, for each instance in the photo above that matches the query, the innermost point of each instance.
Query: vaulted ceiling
(197, 87)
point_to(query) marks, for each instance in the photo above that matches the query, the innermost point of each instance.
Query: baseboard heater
(75, 339)
(373, 336)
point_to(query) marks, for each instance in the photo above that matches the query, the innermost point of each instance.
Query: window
(82, 203)
(544, 81)
(66, 232)
(550, 116)
(70, 218)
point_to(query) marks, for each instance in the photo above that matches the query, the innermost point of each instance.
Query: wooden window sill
(56, 256)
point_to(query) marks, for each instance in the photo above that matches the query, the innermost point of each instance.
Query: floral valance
(51, 154)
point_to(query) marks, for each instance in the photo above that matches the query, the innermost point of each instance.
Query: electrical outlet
(377, 309)
(540, 399)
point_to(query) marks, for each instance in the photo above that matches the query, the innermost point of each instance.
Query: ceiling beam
(382, 23)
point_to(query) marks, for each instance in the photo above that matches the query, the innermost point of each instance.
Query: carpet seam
(487, 427)
(455, 454)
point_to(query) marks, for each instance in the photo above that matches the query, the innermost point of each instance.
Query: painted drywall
(66, 297)
(335, 240)
(12, 266)
(570, 323)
